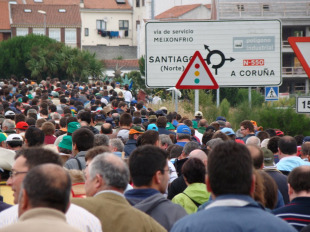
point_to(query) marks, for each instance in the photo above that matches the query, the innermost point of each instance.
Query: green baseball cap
(2, 137)
(66, 142)
(73, 126)
(169, 126)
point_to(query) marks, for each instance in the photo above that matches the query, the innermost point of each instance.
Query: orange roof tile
(106, 4)
(71, 17)
(124, 64)
(4, 16)
(177, 11)
(54, 2)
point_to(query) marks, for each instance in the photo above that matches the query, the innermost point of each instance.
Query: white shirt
(127, 96)
(6, 158)
(77, 217)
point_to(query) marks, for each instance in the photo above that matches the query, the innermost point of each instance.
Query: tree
(46, 57)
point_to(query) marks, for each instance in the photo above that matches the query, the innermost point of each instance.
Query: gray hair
(112, 169)
(183, 136)
(253, 140)
(101, 140)
(118, 143)
(213, 142)
(165, 139)
(10, 124)
(190, 146)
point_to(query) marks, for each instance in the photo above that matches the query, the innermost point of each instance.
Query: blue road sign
(272, 93)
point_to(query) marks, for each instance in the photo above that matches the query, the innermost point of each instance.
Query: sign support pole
(218, 97)
(250, 98)
(176, 101)
(196, 100)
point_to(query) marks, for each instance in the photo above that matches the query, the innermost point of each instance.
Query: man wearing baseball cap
(14, 142)
(183, 135)
(131, 144)
(21, 128)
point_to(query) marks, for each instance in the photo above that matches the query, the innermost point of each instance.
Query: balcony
(293, 72)
(268, 9)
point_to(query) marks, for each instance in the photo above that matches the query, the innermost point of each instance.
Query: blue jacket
(130, 146)
(244, 215)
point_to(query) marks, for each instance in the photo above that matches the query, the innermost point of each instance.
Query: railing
(293, 71)
(296, 9)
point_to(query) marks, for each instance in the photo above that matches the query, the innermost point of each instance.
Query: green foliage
(125, 80)
(286, 120)
(243, 96)
(39, 56)
(224, 108)
(142, 66)
(15, 53)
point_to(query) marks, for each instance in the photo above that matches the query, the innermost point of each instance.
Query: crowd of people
(89, 157)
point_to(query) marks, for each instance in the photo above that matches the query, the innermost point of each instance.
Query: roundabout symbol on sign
(221, 54)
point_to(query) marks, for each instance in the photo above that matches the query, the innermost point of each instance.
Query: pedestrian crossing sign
(272, 93)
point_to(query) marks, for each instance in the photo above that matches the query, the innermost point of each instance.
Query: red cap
(22, 125)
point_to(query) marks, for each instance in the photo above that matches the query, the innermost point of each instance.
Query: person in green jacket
(196, 193)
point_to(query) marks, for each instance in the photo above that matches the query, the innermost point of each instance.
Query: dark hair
(270, 190)
(247, 125)
(48, 186)
(125, 119)
(83, 138)
(194, 171)
(139, 105)
(230, 169)
(93, 152)
(299, 139)
(85, 116)
(175, 151)
(149, 137)
(19, 118)
(288, 145)
(31, 121)
(106, 128)
(144, 162)
(34, 136)
(262, 135)
(48, 128)
(53, 108)
(37, 155)
(207, 136)
(299, 179)
(71, 119)
(14, 144)
(161, 121)
(271, 132)
(63, 122)
(273, 144)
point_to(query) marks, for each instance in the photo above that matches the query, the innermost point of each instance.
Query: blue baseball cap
(152, 126)
(183, 129)
(228, 131)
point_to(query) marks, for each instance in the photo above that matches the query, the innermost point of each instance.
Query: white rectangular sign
(238, 53)
(303, 105)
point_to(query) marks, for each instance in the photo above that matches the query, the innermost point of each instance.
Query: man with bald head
(44, 200)
(107, 177)
(297, 212)
(288, 155)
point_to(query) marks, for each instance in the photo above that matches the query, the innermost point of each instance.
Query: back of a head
(189, 147)
(273, 144)
(34, 136)
(165, 139)
(299, 179)
(144, 162)
(288, 145)
(125, 119)
(175, 151)
(83, 138)
(305, 148)
(48, 185)
(161, 121)
(270, 190)
(113, 170)
(149, 137)
(194, 171)
(230, 169)
(198, 154)
(101, 140)
(37, 155)
(253, 140)
(257, 156)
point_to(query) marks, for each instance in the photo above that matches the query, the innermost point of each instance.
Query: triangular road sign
(301, 47)
(197, 75)
(272, 93)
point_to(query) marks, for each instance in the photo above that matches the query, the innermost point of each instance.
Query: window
(137, 24)
(21, 31)
(70, 36)
(240, 7)
(137, 3)
(86, 31)
(101, 25)
(123, 25)
(38, 31)
(266, 7)
(143, 2)
(54, 33)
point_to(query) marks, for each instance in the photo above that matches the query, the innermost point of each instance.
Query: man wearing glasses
(246, 129)
(150, 175)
